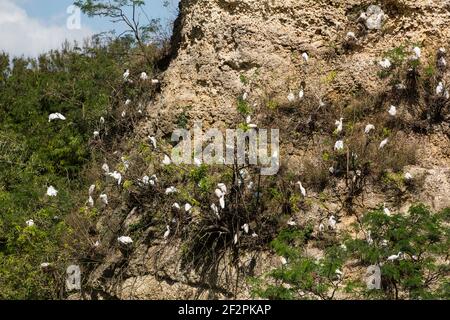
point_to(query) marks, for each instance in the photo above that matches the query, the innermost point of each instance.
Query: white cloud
(21, 34)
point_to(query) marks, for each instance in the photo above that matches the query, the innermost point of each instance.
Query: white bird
(91, 201)
(52, 192)
(331, 170)
(383, 143)
(56, 116)
(222, 187)
(97, 244)
(153, 141)
(395, 256)
(155, 81)
(332, 222)
(171, 190)
(384, 243)
(339, 145)
(302, 189)
(245, 96)
(45, 265)
(187, 207)
(215, 210)
(417, 53)
(166, 160)
(301, 94)
(167, 233)
(283, 260)
(369, 128)
(254, 235)
(386, 210)
(125, 240)
(117, 176)
(143, 76)
(104, 199)
(408, 176)
(321, 227)
(126, 74)
(305, 56)
(105, 168)
(392, 111)
(176, 206)
(385, 64)
(127, 102)
(153, 180)
(102, 120)
(91, 189)
(146, 180)
(339, 273)
(291, 222)
(439, 89)
(400, 86)
(343, 247)
(29, 223)
(291, 97)
(96, 134)
(339, 125)
(222, 202)
(351, 36)
(245, 227)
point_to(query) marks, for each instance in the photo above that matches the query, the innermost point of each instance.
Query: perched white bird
(97, 244)
(332, 222)
(146, 180)
(440, 89)
(155, 81)
(56, 116)
(395, 256)
(126, 74)
(400, 86)
(339, 145)
(385, 63)
(105, 168)
(245, 96)
(222, 187)
(187, 207)
(127, 102)
(125, 240)
(392, 111)
(222, 202)
(153, 141)
(245, 227)
(254, 235)
(91, 201)
(302, 189)
(52, 192)
(176, 206)
(153, 180)
(339, 125)
(283, 260)
(96, 134)
(305, 56)
(143, 76)
(301, 94)
(384, 243)
(117, 176)
(383, 143)
(291, 97)
(29, 223)
(291, 222)
(321, 227)
(166, 160)
(45, 265)
(102, 120)
(417, 53)
(408, 176)
(171, 190)
(339, 273)
(369, 128)
(215, 210)
(104, 199)
(167, 233)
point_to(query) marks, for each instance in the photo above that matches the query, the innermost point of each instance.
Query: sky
(32, 27)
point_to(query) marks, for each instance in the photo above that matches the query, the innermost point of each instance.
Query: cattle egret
(97, 244)
(222, 202)
(408, 176)
(245, 227)
(171, 190)
(153, 180)
(91, 201)
(385, 64)
(321, 227)
(339, 125)
(305, 56)
(383, 143)
(117, 176)
(392, 111)
(102, 120)
(332, 222)
(153, 141)
(187, 207)
(339, 145)
(29, 223)
(143, 76)
(339, 273)
(215, 210)
(127, 102)
(291, 222)
(45, 265)
(369, 128)
(125, 240)
(417, 53)
(302, 189)
(104, 199)
(395, 256)
(167, 233)
(155, 81)
(301, 94)
(56, 116)
(105, 168)
(96, 134)
(439, 89)
(222, 187)
(52, 192)
(384, 243)
(254, 235)
(91, 189)
(166, 160)
(126, 74)
(331, 170)
(176, 206)
(291, 97)
(145, 180)
(386, 210)
(283, 260)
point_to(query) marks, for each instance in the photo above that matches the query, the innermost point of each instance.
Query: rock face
(225, 48)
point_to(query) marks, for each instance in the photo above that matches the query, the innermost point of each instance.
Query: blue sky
(30, 27)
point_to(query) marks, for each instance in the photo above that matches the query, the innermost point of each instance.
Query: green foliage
(243, 107)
